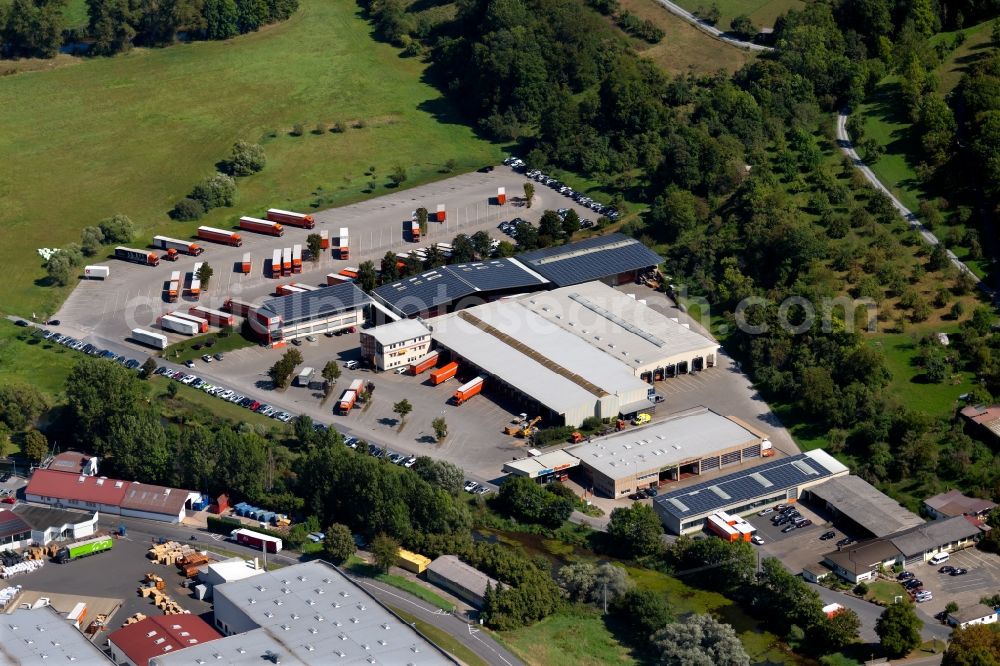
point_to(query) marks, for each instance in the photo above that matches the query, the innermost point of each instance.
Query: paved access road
(844, 141)
(480, 642)
(711, 29)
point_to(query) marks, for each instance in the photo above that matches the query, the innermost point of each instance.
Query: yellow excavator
(529, 428)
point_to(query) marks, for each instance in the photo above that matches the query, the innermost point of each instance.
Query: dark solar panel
(498, 274)
(741, 486)
(590, 259)
(11, 524)
(320, 303)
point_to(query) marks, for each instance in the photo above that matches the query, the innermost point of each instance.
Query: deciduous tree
(898, 629)
(385, 551)
(635, 530)
(699, 640)
(315, 244)
(338, 543)
(36, 445)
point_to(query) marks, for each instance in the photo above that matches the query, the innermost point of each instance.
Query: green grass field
(30, 360)
(885, 591)
(763, 13)
(577, 636)
(976, 47)
(133, 133)
(184, 351)
(199, 406)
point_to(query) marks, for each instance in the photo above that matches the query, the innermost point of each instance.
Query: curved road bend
(711, 29)
(844, 141)
(479, 642)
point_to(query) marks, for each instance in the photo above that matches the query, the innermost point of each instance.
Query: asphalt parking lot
(116, 574)
(983, 579)
(800, 547)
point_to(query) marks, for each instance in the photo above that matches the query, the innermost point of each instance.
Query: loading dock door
(658, 375)
(697, 363)
(670, 371)
(647, 377)
(682, 368)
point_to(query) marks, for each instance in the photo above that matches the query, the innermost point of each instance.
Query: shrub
(640, 27)
(215, 191)
(247, 158)
(117, 229)
(187, 210)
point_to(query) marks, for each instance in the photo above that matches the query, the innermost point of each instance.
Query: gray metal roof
(443, 285)
(323, 302)
(590, 259)
(684, 437)
(769, 478)
(933, 535)
(860, 501)
(314, 613)
(44, 517)
(43, 636)
(864, 556)
(455, 570)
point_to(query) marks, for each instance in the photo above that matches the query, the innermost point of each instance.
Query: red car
(10, 500)
(253, 406)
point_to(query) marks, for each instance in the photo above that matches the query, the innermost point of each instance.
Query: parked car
(826, 536)
(805, 522)
(764, 512)
(959, 571)
(946, 569)
(788, 528)
(470, 486)
(651, 492)
(311, 338)
(923, 596)
(218, 357)
(637, 496)
(206, 358)
(846, 541)
(21, 322)
(913, 584)
(757, 540)
(905, 575)
(409, 462)
(189, 364)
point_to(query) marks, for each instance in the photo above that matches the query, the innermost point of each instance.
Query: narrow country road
(712, 30)
(844, 141)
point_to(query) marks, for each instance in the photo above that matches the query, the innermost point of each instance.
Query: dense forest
(36, 28)
(745, 193)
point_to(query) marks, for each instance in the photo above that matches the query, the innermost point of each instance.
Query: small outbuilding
(462, 580)
(954, 503)
(977, 614)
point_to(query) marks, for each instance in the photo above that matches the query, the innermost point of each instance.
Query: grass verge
(362, 568)
(196, 405)
(884, 592)
(763, 13)
(27, 359)
(132, 134)
(578, 636)
(442, 639)
(210, 343)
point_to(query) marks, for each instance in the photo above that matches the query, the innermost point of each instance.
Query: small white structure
(228, 571)
(978, 614)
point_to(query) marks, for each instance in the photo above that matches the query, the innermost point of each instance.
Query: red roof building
(74, 463)
(75, 489)
(158, 635)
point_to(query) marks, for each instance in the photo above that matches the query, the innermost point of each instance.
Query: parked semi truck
(220, 236)
(178, 325)
(324, 239)
(296, 258)
(214, 317)
(346, 402)
(468, 389)
(276, 263)
(290, 218)
(195, 288)
(144, 257)
(343, 251)
(149, 338)
(286, 261)
(425, 363)
(444, 373)
(256, 540)
(174, 286)
(261, 226)
(201, 323)
(187, 247)
(246, 265)
(96, 272)
(80, 549)
(414, 231)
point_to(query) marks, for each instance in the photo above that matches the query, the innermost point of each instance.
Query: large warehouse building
(613, 259)
(580, 351)
(853, 500)
(688, 444)
(685, 510)
(328, 309)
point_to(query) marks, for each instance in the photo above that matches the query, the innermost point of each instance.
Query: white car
(470, 486)
(401, 370)
(766, 511)
(225, 395)
(757, 540)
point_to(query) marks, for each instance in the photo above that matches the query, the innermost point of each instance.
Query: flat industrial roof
(456, 571)
(866, 505)
(44, 517)
(43, 636)
(616, 323)
(398, 331)
(774, 476)
(323, 302)
(543, 464)
(681, 438)
(937, 533)
(533, 355)
(439, 286)
(313, 612)
(590, 259)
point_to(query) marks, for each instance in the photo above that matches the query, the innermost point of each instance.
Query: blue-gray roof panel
(590, 259)
(323, 302)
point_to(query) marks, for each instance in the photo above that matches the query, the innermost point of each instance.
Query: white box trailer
(195, 287)
(96, 272)
(276, 264)
(305, 376)
(178, 325)
(149, 338)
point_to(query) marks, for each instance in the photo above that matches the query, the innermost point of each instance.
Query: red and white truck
(256, 540)
(414, 231)
(290, 218)
(261, 226)
(202, 324)
(324, 239)
(286, 261)
(346, 402)
(276, 263)
(187, 247)
(195, 286)
(174, 287)
(468, 389)
(246, 265)
(501, 195)
(144, 257)
(220, 236)
(214, 317)
(297, 258)
(343, 249)
(335, 279)
(440, 215)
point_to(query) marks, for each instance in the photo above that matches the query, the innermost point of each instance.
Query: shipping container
(238, 307)
(305, 376)
(200, 322)
(214, 317)
(324, 239)
(343, 249)
(297, 258)
(246, 265)
(195, 288)
(286, 261)
(346, 402)
(144, 257)
(415, 231)
(413, 562)
(276, 263)
(177, 325)
(444, 373)
(261, 226)
(174, 286)
(256, 540)
(425, 363)
(220, 236)
(333, 279)
(468, 389)
(290, 218)
(187, 247)
(501, 195)
(149, 338)
(96, 272)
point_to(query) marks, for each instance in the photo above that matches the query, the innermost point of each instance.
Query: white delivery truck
(96, 272)
(150, 338)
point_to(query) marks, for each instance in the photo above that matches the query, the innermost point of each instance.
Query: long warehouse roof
(323, 302)
(867, 505)
(769, 478)
(449, 283)
(590, 259)
(681, 438)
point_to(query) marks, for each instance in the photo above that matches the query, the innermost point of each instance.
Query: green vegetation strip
(443, 640)
(185, 351)
(361, 568)
(27, 359)
(578, 636)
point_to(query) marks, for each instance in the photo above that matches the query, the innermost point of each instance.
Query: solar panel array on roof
(590, 259)
(316, 304)
(11, 524)
(440, 286)
(717, 493)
